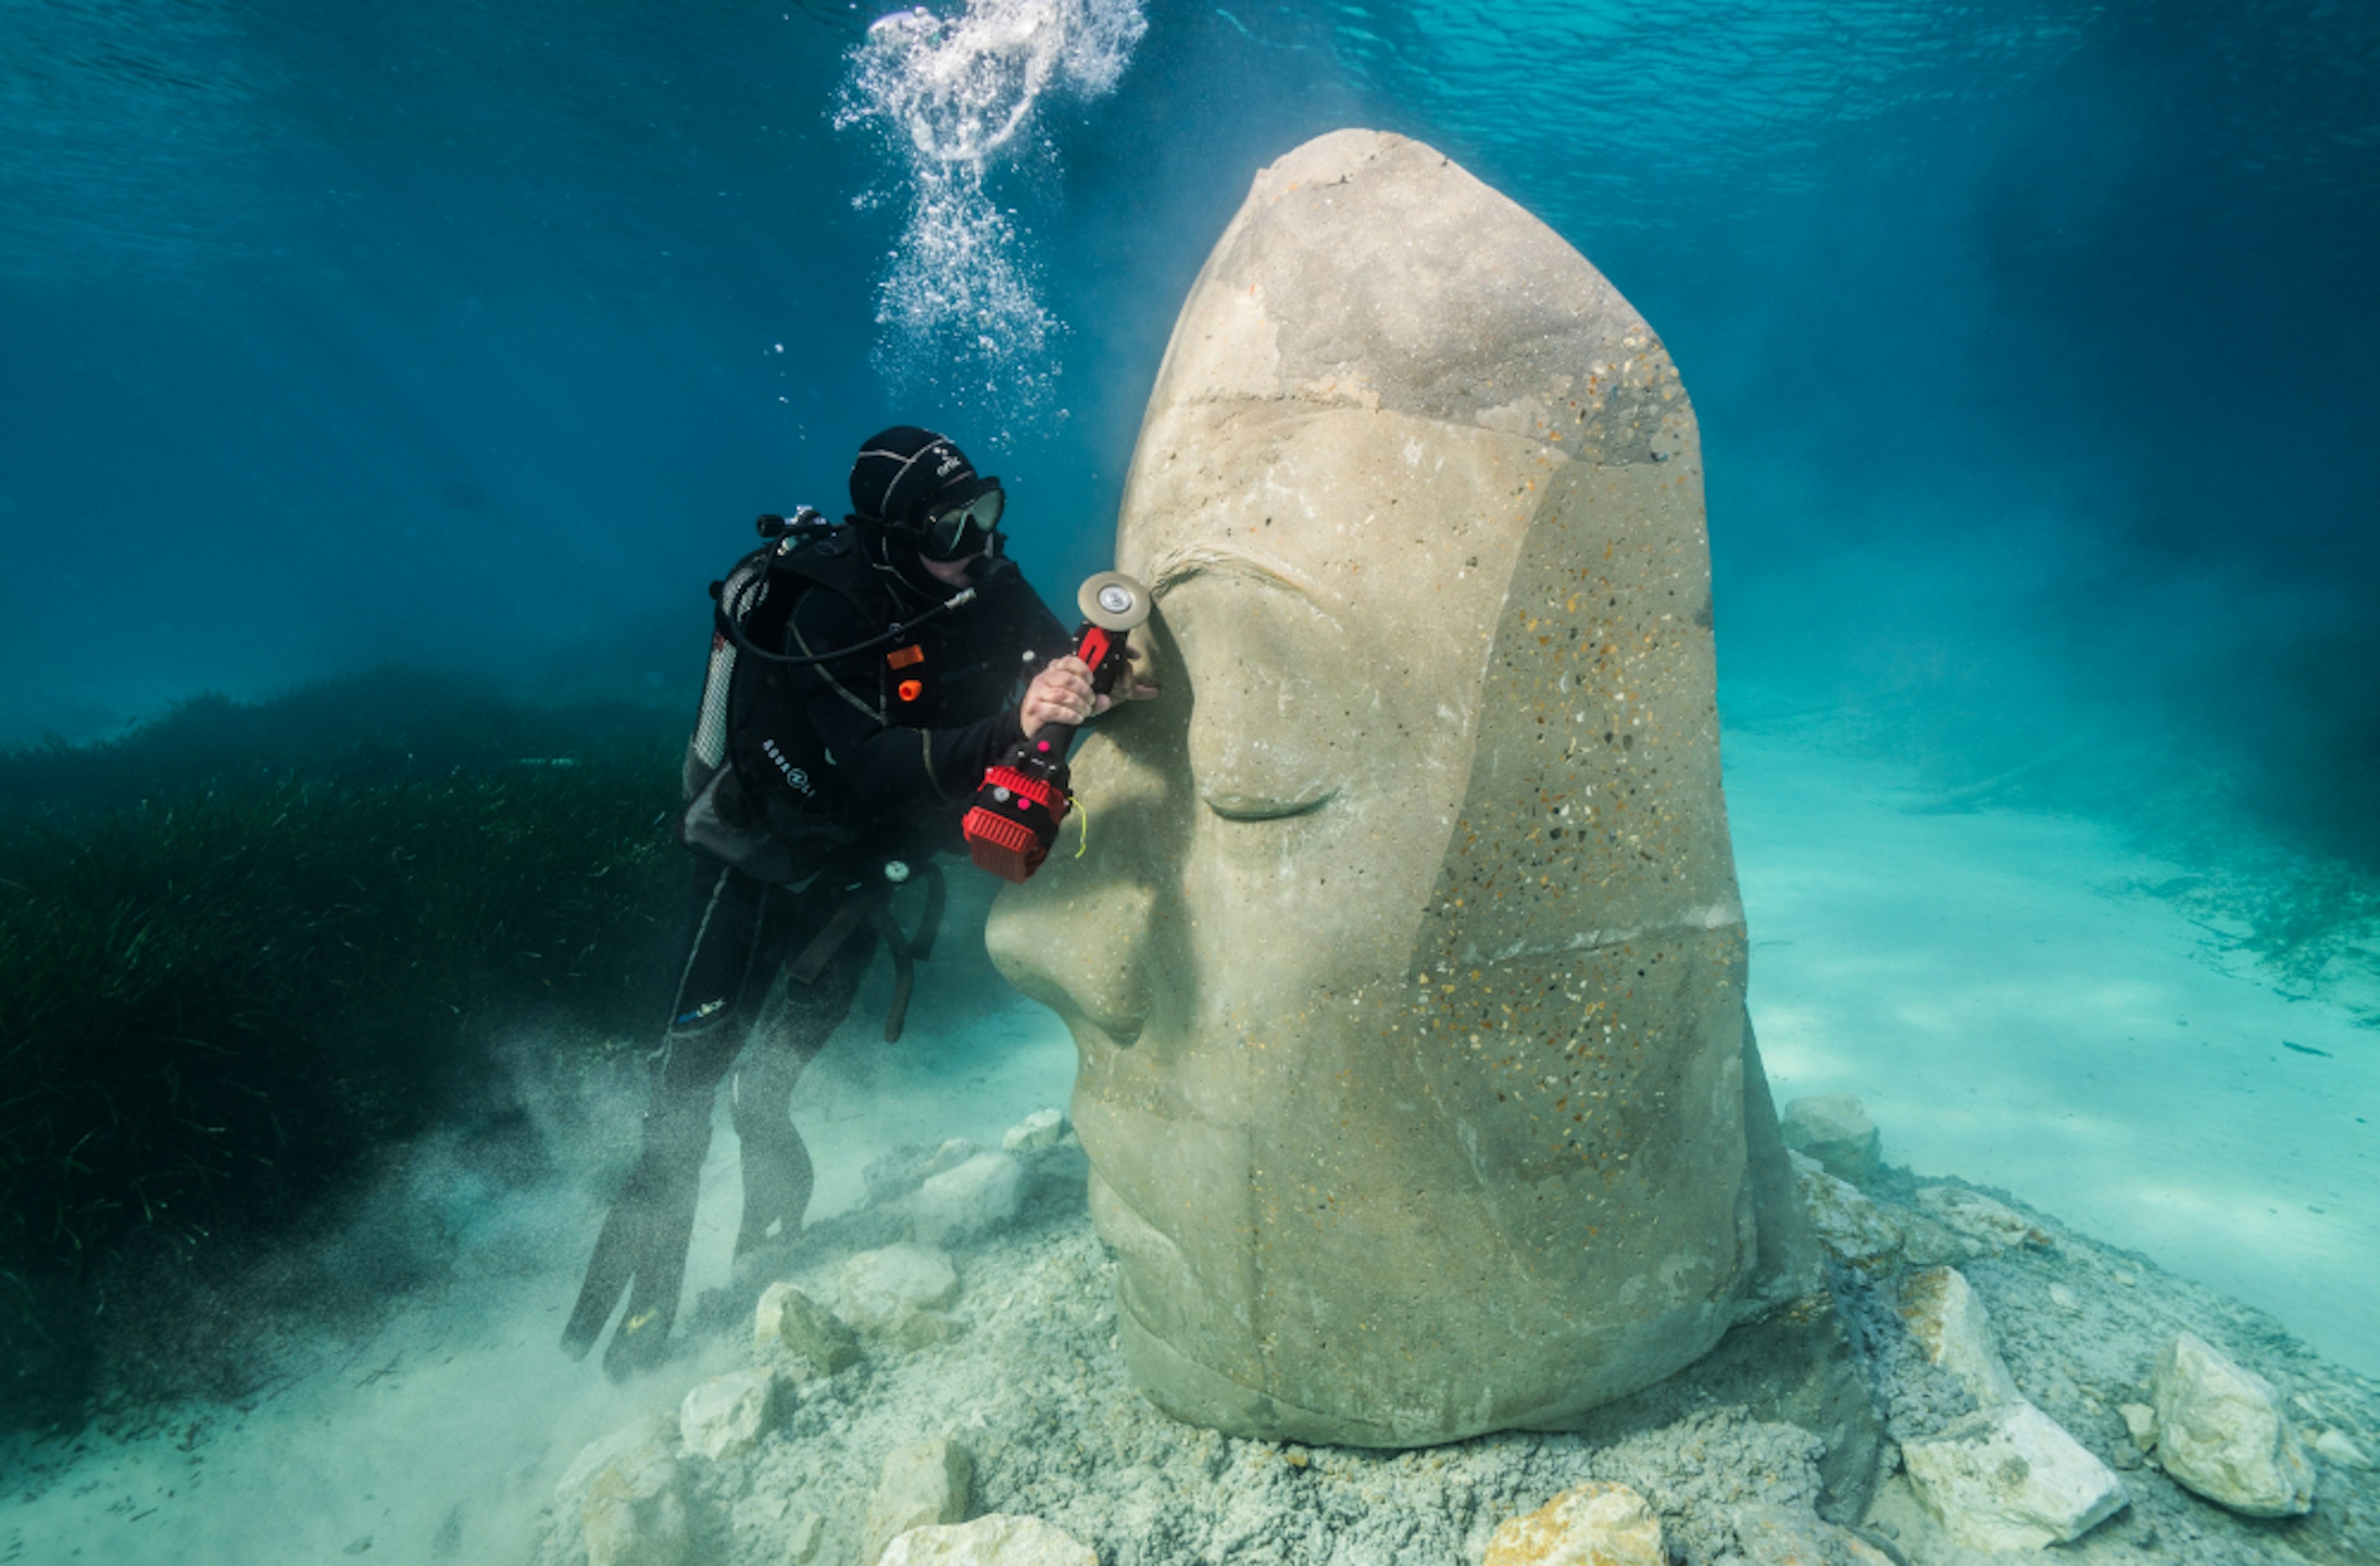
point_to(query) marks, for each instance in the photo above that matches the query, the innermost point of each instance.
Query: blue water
(450, 332)
(2033, 346)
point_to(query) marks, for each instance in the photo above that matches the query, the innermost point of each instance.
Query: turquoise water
(366, 326)
(2030, 343)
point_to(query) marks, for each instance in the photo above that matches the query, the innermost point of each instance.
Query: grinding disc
(1112, 602)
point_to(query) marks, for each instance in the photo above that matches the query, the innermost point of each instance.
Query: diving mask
(964, 528)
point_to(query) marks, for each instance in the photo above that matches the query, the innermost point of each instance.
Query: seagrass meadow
(242, 946)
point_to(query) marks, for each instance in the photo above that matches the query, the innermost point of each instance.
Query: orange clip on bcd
(907, 657)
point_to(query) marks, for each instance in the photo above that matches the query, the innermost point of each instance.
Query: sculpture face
(1405, 962)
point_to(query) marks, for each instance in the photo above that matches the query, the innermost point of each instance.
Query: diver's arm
(898, 767)
(1059, 688)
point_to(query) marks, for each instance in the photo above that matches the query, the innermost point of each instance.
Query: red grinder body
(1024, 795)
(1016, 812)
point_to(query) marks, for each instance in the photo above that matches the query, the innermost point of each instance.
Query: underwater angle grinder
(1023, 798)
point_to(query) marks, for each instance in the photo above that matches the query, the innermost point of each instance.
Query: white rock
(761, 1509)
(1793, 1536)
(1990, 1227)
(950, 1155)
(634, 1511)
(1947, 1318)
(1833, 1129)
(2339, 1448)
(1852, 1228)
(1591, 1524)
(2140, 1423)
(2063, 1297)
(787, 1319)
(1925, 1243)
(924, 1329)
(726, 1415)
(921, 1486)
(980, 1195)
(2222, 1432)
(878, 1289)
(2012, 1478)
(1040, 1129)
(651, 1429)
(1000, 1539)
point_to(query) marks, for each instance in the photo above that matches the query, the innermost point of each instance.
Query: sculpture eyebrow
(1177, 567)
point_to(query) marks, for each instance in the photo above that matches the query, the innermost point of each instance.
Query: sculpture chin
(1198, 1395)
(1151, 1267)
(1219, 1345)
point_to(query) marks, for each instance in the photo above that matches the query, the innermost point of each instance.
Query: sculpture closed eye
(1263, 760)
(1269, 734)
(1234, 805)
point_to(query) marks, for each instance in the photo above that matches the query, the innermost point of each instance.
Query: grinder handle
(1104, 651)
(1113, 605)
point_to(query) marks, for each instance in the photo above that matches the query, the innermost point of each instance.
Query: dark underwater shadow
(246, 950)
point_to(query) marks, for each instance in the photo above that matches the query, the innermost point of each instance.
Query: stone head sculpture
(1405, 960)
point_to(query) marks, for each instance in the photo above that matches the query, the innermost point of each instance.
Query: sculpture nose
(1077, 946)
(1079, 937)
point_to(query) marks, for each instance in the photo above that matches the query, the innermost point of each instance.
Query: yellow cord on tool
(1083, 846)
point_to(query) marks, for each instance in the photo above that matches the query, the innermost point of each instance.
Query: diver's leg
(642, 1247)
(777, 1172)
(778, 1177)
(643, 1243)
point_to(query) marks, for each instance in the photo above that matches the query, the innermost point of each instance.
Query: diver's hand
(1061, 693)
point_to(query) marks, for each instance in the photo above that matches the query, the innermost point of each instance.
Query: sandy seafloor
(2012, 1006)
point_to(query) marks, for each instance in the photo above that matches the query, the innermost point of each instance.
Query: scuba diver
(863, 678)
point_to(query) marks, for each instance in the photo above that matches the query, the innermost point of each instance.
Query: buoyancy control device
(764, 793)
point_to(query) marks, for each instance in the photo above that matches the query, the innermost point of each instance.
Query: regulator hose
(740, 582)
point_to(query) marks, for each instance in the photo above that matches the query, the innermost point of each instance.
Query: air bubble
(958, 304)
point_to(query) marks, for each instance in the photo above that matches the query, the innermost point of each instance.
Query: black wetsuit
(917, 760)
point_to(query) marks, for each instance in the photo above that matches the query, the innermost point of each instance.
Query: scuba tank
(1024, 797)
(762, 793)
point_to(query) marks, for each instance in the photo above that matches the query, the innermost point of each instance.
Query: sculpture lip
(1120, 1033)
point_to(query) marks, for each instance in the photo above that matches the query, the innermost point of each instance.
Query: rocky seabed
(934, 1378)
